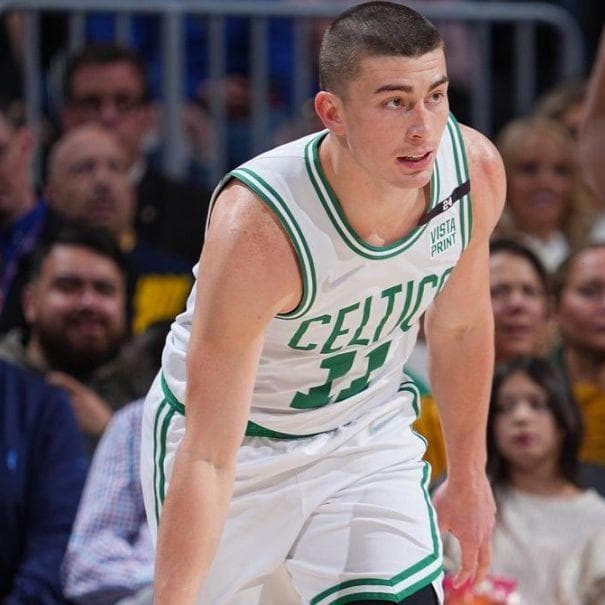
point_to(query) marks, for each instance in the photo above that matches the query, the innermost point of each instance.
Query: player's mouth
(417, 161)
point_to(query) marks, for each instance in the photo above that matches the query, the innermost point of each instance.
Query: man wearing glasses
(106, 84)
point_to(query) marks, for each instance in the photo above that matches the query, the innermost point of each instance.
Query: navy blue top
(42, 473)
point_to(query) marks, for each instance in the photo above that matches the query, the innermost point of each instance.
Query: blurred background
(229, 79)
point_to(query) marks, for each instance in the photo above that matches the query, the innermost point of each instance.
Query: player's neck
(349, 179)
(380, 213)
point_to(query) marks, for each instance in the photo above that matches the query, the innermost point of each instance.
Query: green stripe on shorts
(398, 587)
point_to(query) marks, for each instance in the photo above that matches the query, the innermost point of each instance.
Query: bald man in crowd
(88, 183)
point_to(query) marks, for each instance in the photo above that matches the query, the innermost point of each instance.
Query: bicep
(248, 273)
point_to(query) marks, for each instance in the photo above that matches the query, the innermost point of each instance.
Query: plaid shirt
(110, 552)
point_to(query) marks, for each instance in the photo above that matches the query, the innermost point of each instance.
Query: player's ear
(329, 109)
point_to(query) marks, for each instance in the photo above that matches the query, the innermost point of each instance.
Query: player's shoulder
(242, 225)
(488, 178)
(481, 152)
(247, 257)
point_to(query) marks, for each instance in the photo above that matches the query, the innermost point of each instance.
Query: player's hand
(92, 412)
(466, 509)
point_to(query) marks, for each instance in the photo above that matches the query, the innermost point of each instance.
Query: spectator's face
(88, 181)
(540, 181)
(15, 156)
(581, 305)
(520, 306)
(76, 308)
(111, 95)
(525, 430)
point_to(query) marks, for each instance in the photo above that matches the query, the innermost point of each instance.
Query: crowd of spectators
(96, 262)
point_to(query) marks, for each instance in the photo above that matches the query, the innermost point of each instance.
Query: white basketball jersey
(341, 352)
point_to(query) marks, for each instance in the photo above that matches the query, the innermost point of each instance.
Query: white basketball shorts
(346, 512)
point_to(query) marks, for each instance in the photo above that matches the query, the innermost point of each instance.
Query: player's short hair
(102, 54)
(369, 30)
(561, 403)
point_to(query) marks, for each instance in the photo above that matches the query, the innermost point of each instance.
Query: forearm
(592, 134)
(461, 371)
(190, 527)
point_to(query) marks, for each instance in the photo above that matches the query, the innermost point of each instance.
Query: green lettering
(336, 330)
(364, 320)
(404, 320)
(390, 294)
(293, 344)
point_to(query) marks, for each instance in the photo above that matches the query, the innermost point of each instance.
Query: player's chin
(415, 180)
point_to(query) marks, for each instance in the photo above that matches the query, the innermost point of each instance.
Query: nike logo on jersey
(330, 284)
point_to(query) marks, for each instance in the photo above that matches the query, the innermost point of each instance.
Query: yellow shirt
(429, 426)
(591, 400)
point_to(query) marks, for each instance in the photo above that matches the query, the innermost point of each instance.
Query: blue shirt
(17, 241)
(110, 552)
(42, 473)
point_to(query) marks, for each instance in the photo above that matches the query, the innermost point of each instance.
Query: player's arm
(248, 273)
(592, 133)
(460, 338)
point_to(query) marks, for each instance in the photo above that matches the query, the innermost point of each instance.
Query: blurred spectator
(22, 214)
(10, 57)
(579, 289)
(520, 292)
(75, 307)
(549, 534)
(87, 182)
(546, 206)
(129, 374)
(564, 104)
(106, 84)
(43, 472)
(110, 553)
(591, 146)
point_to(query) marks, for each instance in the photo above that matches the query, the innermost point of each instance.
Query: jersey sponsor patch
(442, 236)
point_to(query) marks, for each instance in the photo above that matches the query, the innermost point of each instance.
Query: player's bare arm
(592, 133)
(248, 273)
(459, 328)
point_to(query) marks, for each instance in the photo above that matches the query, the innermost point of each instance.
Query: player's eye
(395, 103)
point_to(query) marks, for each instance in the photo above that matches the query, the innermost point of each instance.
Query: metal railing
(481, 17)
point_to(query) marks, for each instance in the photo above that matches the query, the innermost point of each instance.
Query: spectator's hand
(467, 510)
(92, 412)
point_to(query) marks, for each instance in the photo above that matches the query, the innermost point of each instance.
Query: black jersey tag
(456, 195)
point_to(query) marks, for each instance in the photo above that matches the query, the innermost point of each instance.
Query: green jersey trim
(400, 586)
(252, 429)
(466, 214)
(277, 204)
(334, 210)
(164, 415)
(256, 430)
(170, 398)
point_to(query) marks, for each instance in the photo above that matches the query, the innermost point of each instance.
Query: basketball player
(321, 255)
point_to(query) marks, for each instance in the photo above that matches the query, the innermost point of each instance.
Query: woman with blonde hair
(547, 208)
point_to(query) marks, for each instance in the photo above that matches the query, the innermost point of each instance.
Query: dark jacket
(171, 214)
(42, 473)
